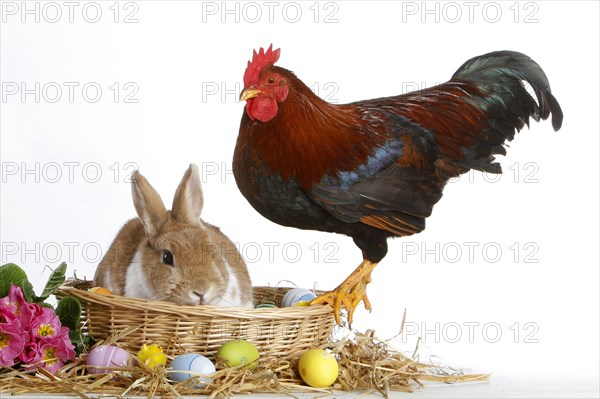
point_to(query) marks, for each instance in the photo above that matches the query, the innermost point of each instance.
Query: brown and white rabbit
(174, 256)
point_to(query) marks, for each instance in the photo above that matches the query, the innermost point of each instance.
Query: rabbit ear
(148, 204)
(188, 201)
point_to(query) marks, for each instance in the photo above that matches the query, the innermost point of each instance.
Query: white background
(523, 304)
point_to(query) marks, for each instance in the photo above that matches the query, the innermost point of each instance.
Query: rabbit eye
(167, 258)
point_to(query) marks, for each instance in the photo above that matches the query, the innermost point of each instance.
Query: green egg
(239, 352)
(266, 306)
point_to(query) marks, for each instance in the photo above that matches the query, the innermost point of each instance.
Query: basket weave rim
(118, 301)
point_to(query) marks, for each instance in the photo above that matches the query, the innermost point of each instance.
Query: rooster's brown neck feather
(310, 138)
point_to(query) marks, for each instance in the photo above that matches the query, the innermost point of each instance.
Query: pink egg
(108, 356)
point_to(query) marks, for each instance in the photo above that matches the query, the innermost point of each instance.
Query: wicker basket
(131, 322)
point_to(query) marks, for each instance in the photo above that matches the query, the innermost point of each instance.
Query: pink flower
(46, 325)
(12, 339)
(51, 353)
(30, 352)
(16, 303)
(66, 349)
(32, 334)
(6, 315)
(7, 305)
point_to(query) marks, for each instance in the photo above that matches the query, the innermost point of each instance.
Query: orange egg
(100, 291)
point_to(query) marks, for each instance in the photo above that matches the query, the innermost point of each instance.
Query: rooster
(374, 169)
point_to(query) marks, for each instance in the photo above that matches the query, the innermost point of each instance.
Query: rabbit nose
(197, 297)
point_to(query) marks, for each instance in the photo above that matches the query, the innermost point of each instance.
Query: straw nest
(367, 364)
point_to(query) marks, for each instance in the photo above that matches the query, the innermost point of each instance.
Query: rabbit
(174, 256)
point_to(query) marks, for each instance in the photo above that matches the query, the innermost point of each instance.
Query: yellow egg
(318, 368)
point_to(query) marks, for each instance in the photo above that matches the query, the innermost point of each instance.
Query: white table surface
(497, 387)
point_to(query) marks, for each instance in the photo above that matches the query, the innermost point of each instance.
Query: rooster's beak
(249, 93)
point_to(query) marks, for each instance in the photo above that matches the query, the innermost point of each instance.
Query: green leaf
(81, 342)
(68, 310)
(28, 291)
(13, 274)
(57, 278)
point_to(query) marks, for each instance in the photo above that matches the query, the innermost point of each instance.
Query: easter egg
(239, 352)
(266, 306)
(107, 356)
(297, 297)
(318, 368)
(191, 365)
(100, 291)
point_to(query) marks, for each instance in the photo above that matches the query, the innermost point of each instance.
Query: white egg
(297, 296)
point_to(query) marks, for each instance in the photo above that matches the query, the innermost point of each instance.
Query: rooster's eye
(272, 80)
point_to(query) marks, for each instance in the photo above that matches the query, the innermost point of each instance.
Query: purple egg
(108, 356)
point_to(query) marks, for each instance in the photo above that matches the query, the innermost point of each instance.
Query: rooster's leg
(350, 292)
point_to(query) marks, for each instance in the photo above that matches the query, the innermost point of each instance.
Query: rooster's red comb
(260, 60)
